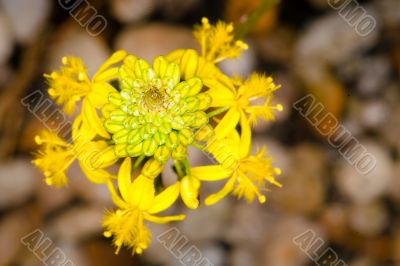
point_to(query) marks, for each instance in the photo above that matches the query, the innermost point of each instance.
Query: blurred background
(306, 45)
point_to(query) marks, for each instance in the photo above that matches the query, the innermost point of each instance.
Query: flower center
(155, 99)
(155, 113)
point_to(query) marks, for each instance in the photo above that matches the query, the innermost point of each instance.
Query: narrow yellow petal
(160, 66)
(210, 173)
(98, 97)
(107, 75)
(100, 155)
(189, 188)
(175, 55)
(115, 58)
(124, 178)
(141, 192)
(245, 138)
(165, 199)
(152, 168)
(98, 176)
(228, 123)
(163, 220)
(91, 119)
(214, 198)
(115, 197)
(189, 63)
(221, 97)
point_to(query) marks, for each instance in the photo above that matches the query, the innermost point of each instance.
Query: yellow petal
(165, 199)
(98, 176)
(163, 220)
(124, 178)
(173, 73)
(81, 131)
(99, 94)
(214, 198)
(152, 168)
(107, 75)
(141, 192)
(160, 66)
(222, 91)
(102, 157)
(189, 63)
(175, 55)
(115, 197)
(210, 173)
(116, 57)
(228, 123)
(189, 188)
(245, 138)
(91, 119)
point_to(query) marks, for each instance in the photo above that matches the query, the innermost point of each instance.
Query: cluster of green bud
(155, 113)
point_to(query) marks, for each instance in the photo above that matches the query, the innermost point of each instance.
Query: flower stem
(217, 111)
(178, 166)
(138, 161)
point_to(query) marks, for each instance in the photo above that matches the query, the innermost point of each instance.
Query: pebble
(390, 129)
(277, 46)
(7, 41)
(374, 113)
(328, 41)
(175, 9)
(73, 252)
(156, 252)
(243, 256)
(390, 12)
(50, 198)
(26, 17)
(17, 182)
(394, 190)
(90, 192)
(214, 253)
(248, 224)
(279, 248)
(396, 244)
(127, 11)
(241, 66)
(334, 219)
(154, 39)
(365, 188)
(373, 75)
(369, 219)
(72, 40)
(320, 4)
(215, 216)
(303, 188)
(362, 261)
(12, 228)
(78, 223)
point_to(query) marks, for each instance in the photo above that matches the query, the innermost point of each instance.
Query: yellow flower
(136, 203)
(248, 173)
(56, 155)
(218, 42)
(53, 158)
(241, 103)
(71, 84)
(153, 113)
